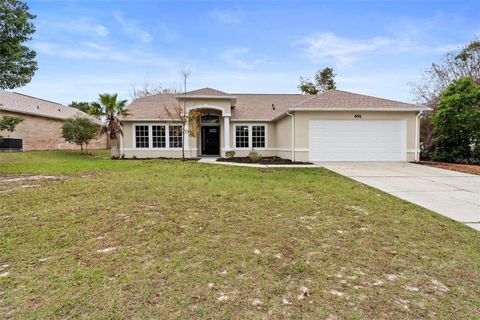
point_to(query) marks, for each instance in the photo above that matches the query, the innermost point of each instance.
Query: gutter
(417, 136)
(348, 110)
(359, 109)
(293, 134)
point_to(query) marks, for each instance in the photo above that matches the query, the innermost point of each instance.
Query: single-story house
(331, 126)
(43, 120)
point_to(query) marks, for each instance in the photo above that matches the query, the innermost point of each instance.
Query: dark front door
(211, 140)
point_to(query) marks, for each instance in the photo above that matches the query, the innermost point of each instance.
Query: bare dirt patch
(466, 168)
(21, 182)
(12, 183)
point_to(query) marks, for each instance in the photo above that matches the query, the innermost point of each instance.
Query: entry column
(226, 130)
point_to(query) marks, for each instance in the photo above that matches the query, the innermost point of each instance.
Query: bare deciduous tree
(456, 64)
(176, 111)
(147, 89)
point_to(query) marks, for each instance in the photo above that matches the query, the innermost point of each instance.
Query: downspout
(417, 136)
(293, 135)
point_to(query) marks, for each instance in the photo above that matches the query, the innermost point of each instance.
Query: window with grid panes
(241, 136)
(141, 136)
(175, 136)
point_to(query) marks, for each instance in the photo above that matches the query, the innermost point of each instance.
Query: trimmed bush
(255, 156)
(230, 154)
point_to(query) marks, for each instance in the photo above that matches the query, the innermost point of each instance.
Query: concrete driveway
(450, 193)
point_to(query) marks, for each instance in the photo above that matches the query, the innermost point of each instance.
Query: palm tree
(110, 110)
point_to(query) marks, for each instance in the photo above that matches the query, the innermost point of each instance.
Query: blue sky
(90, 47)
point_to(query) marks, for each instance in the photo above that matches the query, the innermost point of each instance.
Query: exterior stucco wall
(42, 133)
(284, 133)
(279, 135)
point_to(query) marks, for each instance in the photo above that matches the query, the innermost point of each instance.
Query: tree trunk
(114, 149)
(183, 141)
(81, 147)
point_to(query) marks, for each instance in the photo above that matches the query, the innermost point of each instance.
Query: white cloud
(76, 25)
(130, 27)
(94, 51)
(242, 58)
(328, 46)
(227, 16)
(100, 30)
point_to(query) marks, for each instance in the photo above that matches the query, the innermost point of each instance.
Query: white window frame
(250, 140)
(164, 128)
(150, 136)
(135, 135)
(182, 136)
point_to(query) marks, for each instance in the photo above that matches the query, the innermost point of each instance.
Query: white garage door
(357, 140)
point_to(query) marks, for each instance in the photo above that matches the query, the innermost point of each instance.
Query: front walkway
(450, 193)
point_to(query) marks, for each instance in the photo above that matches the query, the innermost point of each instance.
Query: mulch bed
(265, 160)
(466, 168)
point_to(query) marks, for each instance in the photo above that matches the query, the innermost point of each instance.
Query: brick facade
(43, 133)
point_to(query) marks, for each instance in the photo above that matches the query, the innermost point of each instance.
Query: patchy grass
(166, 239)
(54, 162)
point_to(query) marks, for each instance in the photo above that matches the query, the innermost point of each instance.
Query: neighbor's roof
(20, 103)
(266, 106)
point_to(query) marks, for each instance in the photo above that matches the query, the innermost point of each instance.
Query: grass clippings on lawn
(180, 240)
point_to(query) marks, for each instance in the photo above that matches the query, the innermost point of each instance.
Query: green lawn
(189, 240)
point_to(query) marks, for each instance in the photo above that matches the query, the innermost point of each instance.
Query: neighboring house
(332, 126)
(43, 120)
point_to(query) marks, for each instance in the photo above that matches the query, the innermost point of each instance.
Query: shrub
(9, 123)
(456, 123)
(80, 131)
(255, 156)
(230, 154)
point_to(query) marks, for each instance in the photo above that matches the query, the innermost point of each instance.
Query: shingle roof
(338, 99)
(207, 92)
(151, 107)
(20, 103)
(265, 106)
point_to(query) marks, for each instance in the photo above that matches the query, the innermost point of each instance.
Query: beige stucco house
(332, 126)
(43, 120)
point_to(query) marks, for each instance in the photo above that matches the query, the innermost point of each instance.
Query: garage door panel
(357, 140)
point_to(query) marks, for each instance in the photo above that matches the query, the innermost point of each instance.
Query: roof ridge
(308, 99)
(270, 94)
(205, 89)
(367, 96)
